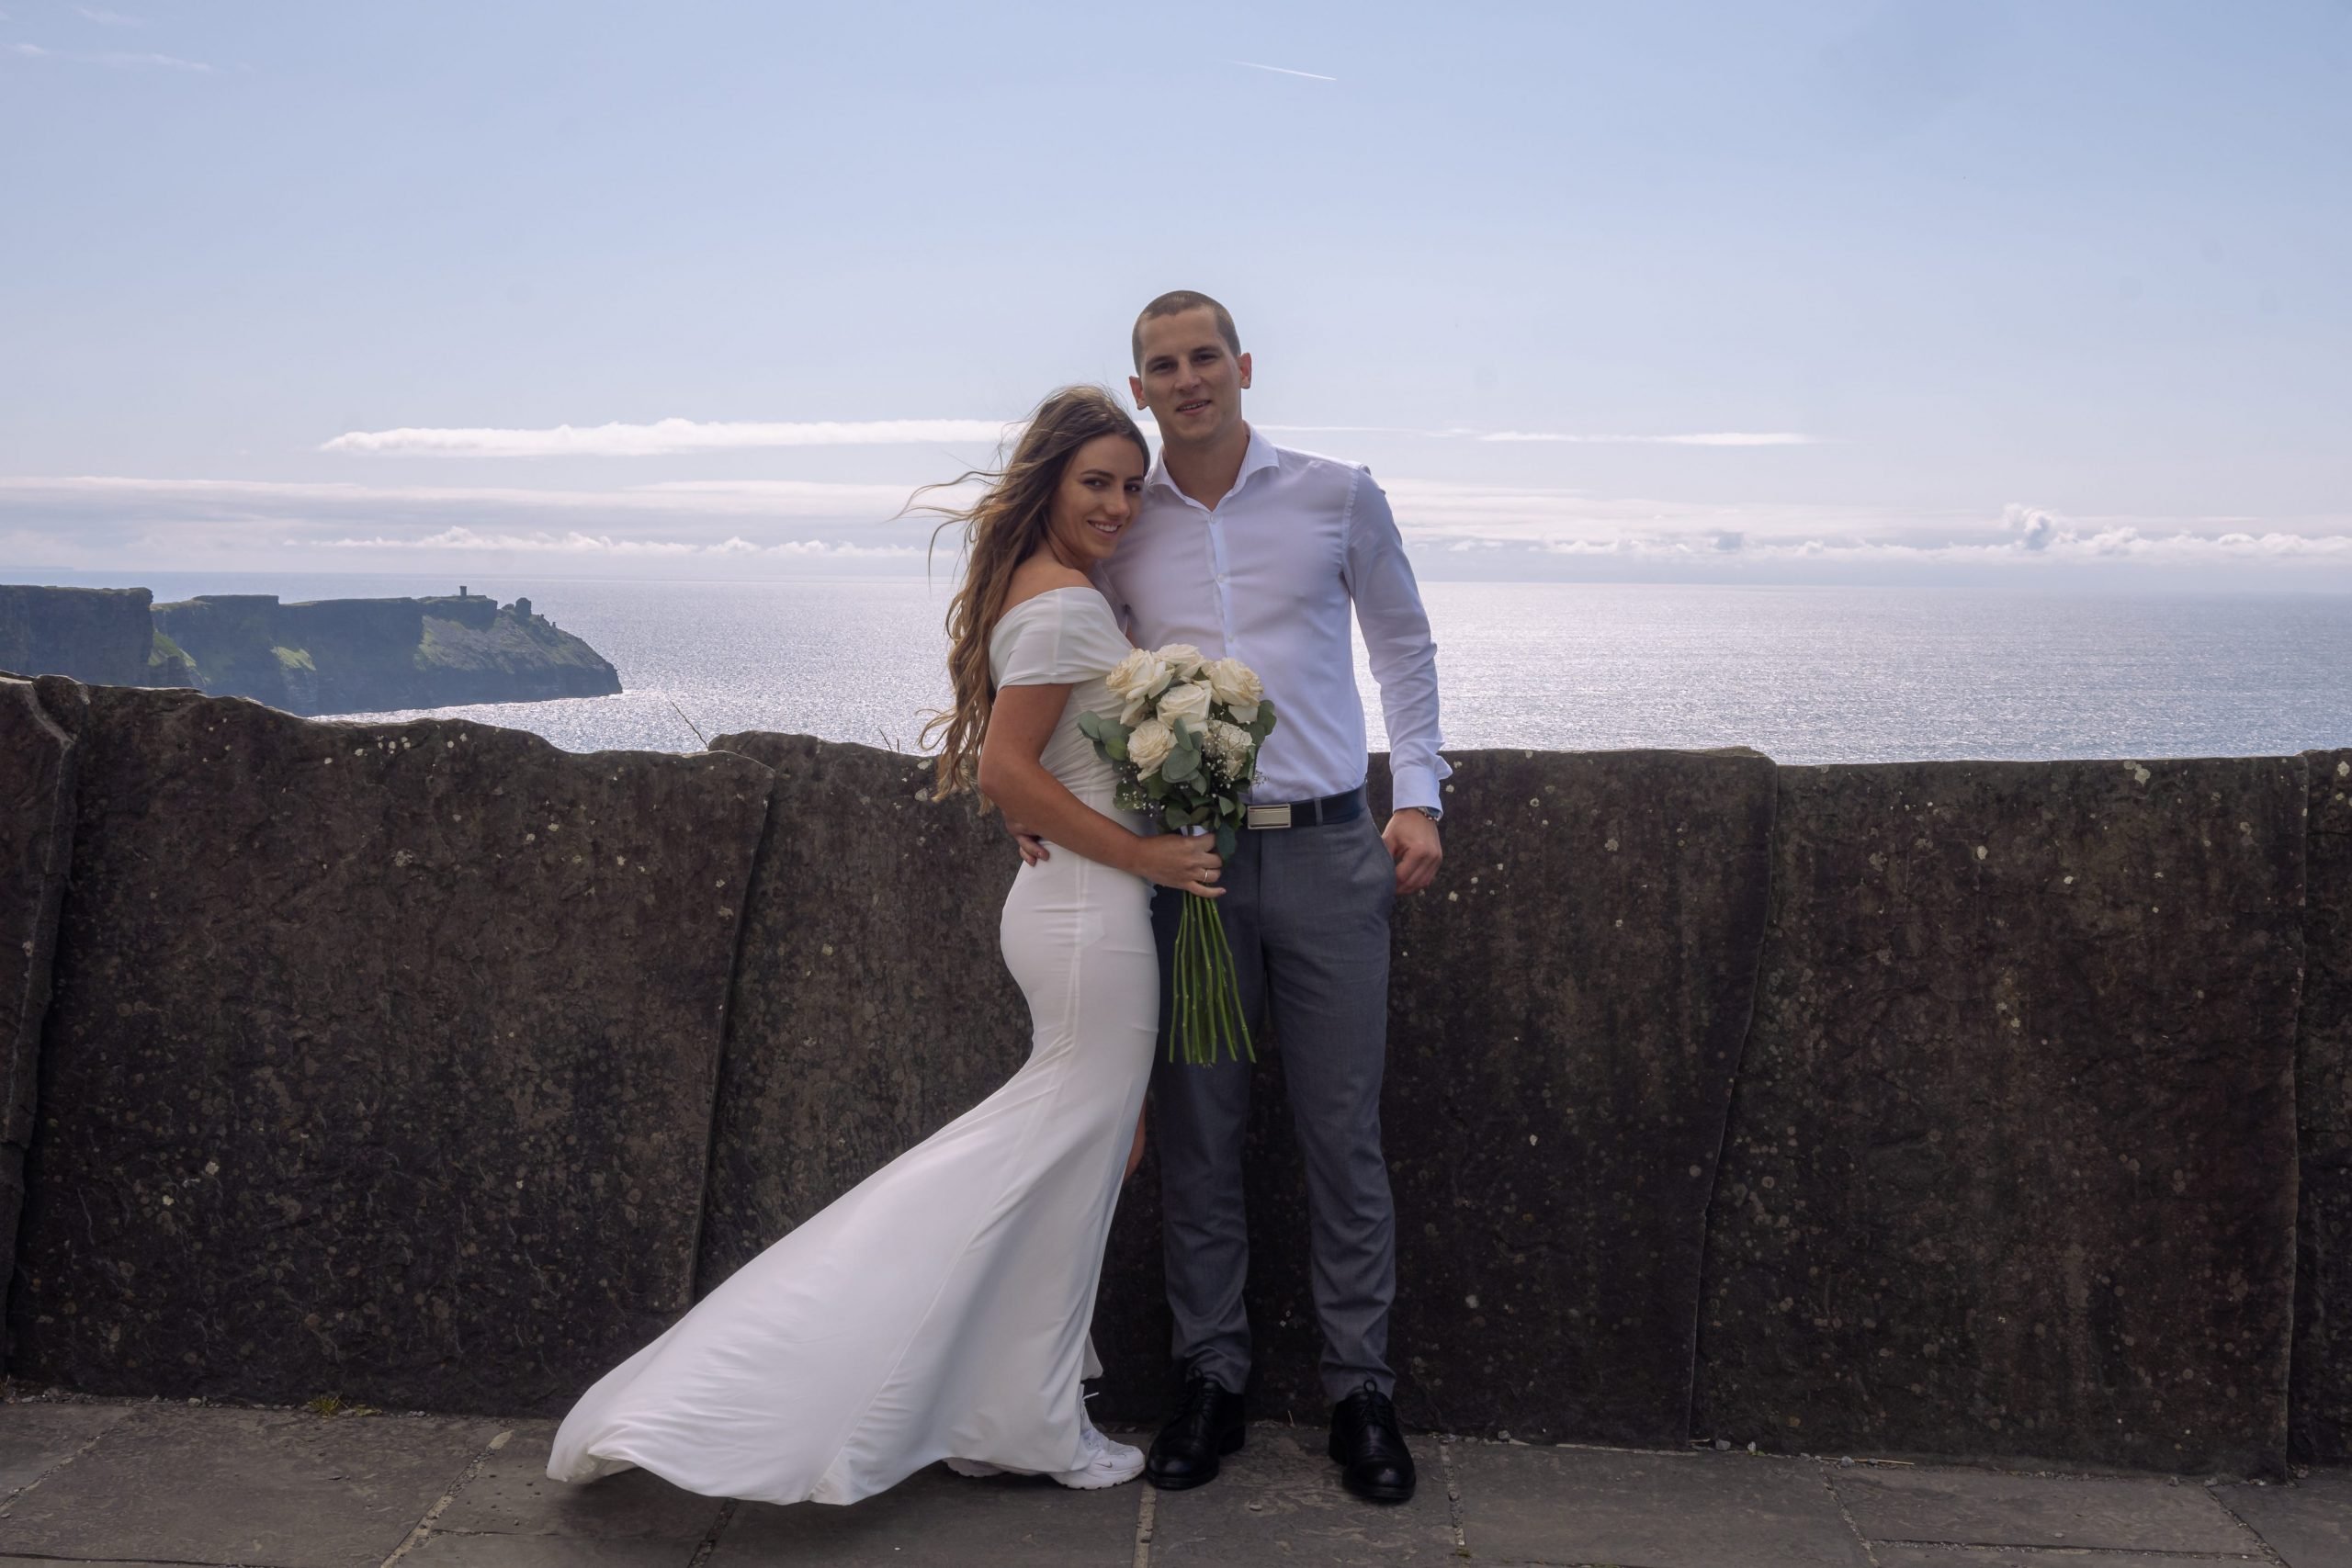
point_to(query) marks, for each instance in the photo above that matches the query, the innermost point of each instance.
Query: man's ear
(1135, 385)
(1244, 363)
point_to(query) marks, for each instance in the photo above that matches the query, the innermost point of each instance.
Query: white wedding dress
(939, 1308)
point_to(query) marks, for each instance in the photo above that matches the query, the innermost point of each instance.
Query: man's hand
(1414, 845)
(1033, 848)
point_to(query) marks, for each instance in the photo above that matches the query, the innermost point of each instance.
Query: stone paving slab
(2308, 1524)
(1982, 1507)
(2045, 1557)
(934, 1517)
(1657, 1510)
(510, 1494)
(451, 1549)
(36, 1438)
(274, 1488)
(1279, 1501)
(153, 1485)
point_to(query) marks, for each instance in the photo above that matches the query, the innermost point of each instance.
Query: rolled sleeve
(1396, 636)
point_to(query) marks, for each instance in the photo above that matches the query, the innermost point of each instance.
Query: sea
(1805, 674)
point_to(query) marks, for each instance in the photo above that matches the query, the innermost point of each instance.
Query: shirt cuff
(1415, 784)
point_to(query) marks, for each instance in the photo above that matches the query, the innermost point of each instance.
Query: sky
(1870, 291)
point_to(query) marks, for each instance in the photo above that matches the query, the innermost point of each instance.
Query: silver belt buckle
(1270, 816)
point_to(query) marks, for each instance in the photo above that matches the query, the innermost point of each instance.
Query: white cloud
(785, 525)
(107, 18)
(2034, 527)
(605, 545)
(1700, 438)
(664, 437)
(119, 60)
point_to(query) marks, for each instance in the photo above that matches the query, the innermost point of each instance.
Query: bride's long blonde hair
(999, 531)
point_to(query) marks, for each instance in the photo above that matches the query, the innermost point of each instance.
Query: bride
(939, 1310)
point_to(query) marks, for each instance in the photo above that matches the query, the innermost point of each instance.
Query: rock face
(1567, 1008)
(2322, 1403)
(872, 1005)
(380, 1057)
(91, 634)
(35, 843)
(2010, 1168)
(371, 655)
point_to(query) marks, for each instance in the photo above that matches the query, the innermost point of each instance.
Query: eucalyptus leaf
(1181, 767)
(1227, 840)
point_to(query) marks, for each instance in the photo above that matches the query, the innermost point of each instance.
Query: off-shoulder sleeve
(1055, 640)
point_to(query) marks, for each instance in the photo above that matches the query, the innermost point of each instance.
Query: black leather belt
(1331, 808)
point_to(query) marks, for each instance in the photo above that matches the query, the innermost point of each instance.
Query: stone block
(1565, 1011)
(1662, 1511)
(245, 1486)
(2319, 1403)
(36, 846)
(381, 1056)
(2308, 1524)
(2011, 1163)
(37, 1435)
(872, 1005)
(511, 1494)
(1279, 1500)
(2077, 1512)
(934, 1517)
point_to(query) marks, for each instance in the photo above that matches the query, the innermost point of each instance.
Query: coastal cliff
(1970, 1108)
(103, 635)
(331, 656)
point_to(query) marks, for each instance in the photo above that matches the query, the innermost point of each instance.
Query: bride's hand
(1033, 848)
(1185, 862)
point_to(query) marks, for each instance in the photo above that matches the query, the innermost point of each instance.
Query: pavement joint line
(1452, 1495)
(1146, 1511)
(423, 1528)
(10, 1500)
(709, 1541)
(1829, 1484)
(2269, 1552)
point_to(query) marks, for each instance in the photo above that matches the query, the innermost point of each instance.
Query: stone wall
(1940, 1107)
(380, 1058)
(2321, 1404)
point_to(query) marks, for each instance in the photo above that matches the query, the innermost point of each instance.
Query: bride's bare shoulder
(1041, 573)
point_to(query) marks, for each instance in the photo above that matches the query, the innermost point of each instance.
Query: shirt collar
(1262, 454)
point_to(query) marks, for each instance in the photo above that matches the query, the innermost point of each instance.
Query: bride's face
(1100, 490)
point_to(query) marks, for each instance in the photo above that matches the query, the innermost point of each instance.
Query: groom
(1251, 550)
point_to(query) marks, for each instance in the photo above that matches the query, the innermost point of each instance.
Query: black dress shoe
(1211, 1424)
(1375, 1464)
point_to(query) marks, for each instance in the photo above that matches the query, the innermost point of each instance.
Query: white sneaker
(1108, 1463)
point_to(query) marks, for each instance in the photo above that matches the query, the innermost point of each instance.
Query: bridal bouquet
(1185, 746)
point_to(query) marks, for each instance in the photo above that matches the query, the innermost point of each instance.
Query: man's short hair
(1176, 302)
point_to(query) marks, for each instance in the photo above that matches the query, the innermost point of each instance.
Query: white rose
(1138, 676)
(1189, 701)
(1228, 742)
(1149, 745)
(1234, 684)
(1183, 660)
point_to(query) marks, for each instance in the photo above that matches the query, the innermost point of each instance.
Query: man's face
(1190, 380)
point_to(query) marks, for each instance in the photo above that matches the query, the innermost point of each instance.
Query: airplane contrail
(1285, 71)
